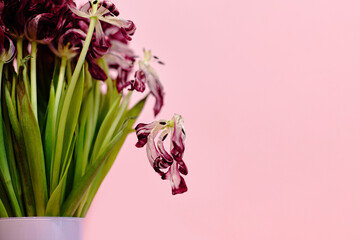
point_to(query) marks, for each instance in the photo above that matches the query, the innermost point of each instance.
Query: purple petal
(160, 145)
(151, 150)
(177, 182)
(159, 164)
(7, 47)
(182, 167)
(98, 47)
(122, 80)
(130, 28)
(155, 86)
(95, 70)
(139, 83)
(73, 37)
(111, 7)
(178, 138)
(142, 132)
(42, 28)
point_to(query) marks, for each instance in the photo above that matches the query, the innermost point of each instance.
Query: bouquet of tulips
(65, 85)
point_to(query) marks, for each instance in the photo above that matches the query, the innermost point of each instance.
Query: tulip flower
(170, 166)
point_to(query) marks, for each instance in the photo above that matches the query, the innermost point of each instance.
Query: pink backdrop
(270, 95)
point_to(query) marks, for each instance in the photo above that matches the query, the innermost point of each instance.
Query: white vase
(41, 228)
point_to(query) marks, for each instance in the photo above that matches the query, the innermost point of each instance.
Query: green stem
(19, 60)
(33, 79)
(84, 50)
(60, 84)
(19, 48)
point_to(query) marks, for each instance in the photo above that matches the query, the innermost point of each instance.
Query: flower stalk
(60, 85)
(33, 78)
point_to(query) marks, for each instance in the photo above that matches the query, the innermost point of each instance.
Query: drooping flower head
(147, 74)
(169, 165)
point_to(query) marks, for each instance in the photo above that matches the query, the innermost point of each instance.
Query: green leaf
(131, 117)
(103, 134)
(56, 198)
(20, 153)
(67, 123)
(78, 192)
(85, 135)
(50, 132)
(34, 151)
(14, 172)
(3, 212)
(5, 200)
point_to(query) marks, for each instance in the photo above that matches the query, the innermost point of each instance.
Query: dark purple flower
(16, 15)
(169, 166)
(42, 28)
(19, 12)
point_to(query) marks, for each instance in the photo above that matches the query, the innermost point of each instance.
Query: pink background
(270, 95)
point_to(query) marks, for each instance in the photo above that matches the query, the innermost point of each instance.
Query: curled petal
(115, 33)
(155, 86)
(110, 7)
(151, 150)
(98, 48)
(73, 38)
(160, 145)
(7, 48)
(95, 70)
(121, 79)
(182, 167)
(42, 28)
(120, 23)
(159, 164)
(142, 132)
(178, 137)
(120, 56)
(130, 28)
(177, 182)
(139, 83)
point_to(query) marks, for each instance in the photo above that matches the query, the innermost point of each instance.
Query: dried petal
(178, 137)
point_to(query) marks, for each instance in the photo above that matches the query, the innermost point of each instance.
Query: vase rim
(42, 218)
